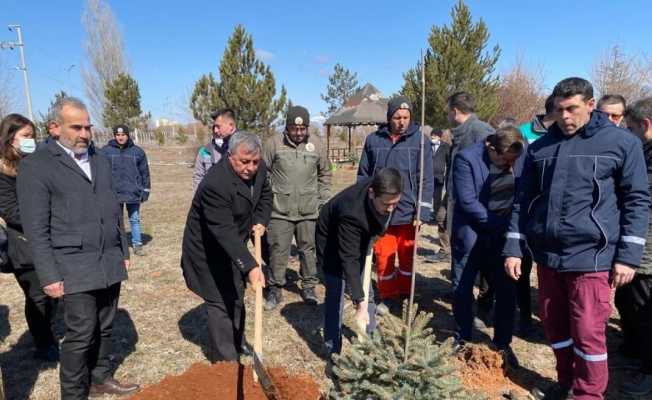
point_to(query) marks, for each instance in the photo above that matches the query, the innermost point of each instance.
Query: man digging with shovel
(345, 230)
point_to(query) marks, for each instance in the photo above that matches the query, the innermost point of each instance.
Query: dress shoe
(112, 386)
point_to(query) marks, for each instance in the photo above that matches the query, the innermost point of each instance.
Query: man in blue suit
(485, 176)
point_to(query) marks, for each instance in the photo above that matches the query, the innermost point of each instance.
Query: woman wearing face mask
(16, 142)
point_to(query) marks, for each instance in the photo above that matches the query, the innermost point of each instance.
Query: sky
(170, 44)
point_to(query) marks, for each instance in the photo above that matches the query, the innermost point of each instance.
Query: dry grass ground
(160, 328)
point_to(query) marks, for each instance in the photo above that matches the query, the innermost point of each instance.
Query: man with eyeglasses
(300, 175)
(614, 106)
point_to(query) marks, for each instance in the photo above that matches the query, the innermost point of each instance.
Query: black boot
(273, 298)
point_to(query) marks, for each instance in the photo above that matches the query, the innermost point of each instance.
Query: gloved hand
(144, 196)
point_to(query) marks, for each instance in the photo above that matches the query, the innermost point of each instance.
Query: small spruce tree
(374, 367)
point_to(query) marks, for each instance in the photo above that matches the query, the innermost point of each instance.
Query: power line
(23, 67)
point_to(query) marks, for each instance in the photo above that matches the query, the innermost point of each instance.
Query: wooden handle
(366, 282)
(258, 307)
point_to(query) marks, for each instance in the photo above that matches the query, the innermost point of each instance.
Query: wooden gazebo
(366, 107)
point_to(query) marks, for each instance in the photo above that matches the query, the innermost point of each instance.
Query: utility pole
(23, 66)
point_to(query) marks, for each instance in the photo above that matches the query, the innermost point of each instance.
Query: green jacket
(300, 176)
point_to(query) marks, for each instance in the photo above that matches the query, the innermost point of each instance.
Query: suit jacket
(441, 163)
(345, 228)
(214, 257)
(71, 221)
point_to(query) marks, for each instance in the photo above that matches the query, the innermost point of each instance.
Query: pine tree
(122, 102)
(205, 99)
(342, 84)
(246, 85)
(374, 367)
(43, 120)
(456, 61)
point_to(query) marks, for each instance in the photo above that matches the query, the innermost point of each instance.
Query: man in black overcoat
(232, 201)
(71, 217)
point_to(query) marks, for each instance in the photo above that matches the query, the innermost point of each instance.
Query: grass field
(160, 328)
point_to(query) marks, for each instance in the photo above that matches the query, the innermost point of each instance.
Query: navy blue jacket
(130, 171)
(379, 152)
(472, 192)
(583, 203)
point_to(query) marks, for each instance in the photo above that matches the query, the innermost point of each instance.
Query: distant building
(164, 122)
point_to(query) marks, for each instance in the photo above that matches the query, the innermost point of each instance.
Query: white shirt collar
(72, 154)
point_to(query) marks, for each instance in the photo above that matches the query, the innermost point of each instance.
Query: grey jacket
(207, 156)
(71, 221)
(300, 176)
(471, 131)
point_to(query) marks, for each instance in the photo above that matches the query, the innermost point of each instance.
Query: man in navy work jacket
(130, 179)
(583, 208)
(485, 176)
(397, 145)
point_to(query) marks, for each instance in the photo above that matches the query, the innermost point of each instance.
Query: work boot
(139, 251)
(273, 298)
(309, 296)
(639, 385)
(112, 386)
(554, 392)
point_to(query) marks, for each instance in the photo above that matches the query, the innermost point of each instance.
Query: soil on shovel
(482, 370)
(228, 381)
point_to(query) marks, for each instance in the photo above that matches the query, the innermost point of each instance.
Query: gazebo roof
(366, 107)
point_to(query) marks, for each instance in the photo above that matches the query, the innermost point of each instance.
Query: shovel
(366, 282)
(260, 373)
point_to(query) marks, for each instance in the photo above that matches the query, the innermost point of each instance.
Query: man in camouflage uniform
(300, 175)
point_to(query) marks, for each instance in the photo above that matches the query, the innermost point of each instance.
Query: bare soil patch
(228, 381)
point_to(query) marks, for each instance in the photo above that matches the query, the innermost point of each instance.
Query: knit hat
(398, 103)
(297, 115)
(121, 129)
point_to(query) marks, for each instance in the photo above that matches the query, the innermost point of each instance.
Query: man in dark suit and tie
(71, 217)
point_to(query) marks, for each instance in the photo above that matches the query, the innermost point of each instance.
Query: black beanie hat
(121, 129)
(297, 115)
(398, 103)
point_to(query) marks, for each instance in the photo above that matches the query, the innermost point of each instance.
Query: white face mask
(27, 146)
(434, 141)
(218, 142)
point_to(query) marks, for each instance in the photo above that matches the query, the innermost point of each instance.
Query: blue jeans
(133, 211)
(334, 304)
(485, 255)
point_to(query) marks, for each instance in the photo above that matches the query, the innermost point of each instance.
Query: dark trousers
(334, 310)
(87, 344)
(634, 303)
(40, 309)
(226, 323)
(439, 215)
(523, 295)
(485, 255)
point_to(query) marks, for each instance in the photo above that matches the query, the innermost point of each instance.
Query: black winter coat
(71, 221)
(20, 252)
(130, 171)
(441, 163)
(214, 257)
(346, 225)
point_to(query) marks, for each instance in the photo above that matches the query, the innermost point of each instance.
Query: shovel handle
(258, 306)
(366, 283)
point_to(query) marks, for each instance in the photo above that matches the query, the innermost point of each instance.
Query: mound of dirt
(482, 370)
(228, 381)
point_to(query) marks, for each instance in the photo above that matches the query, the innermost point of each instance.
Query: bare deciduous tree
(105, 58)
(627, 75)
(521, 93)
